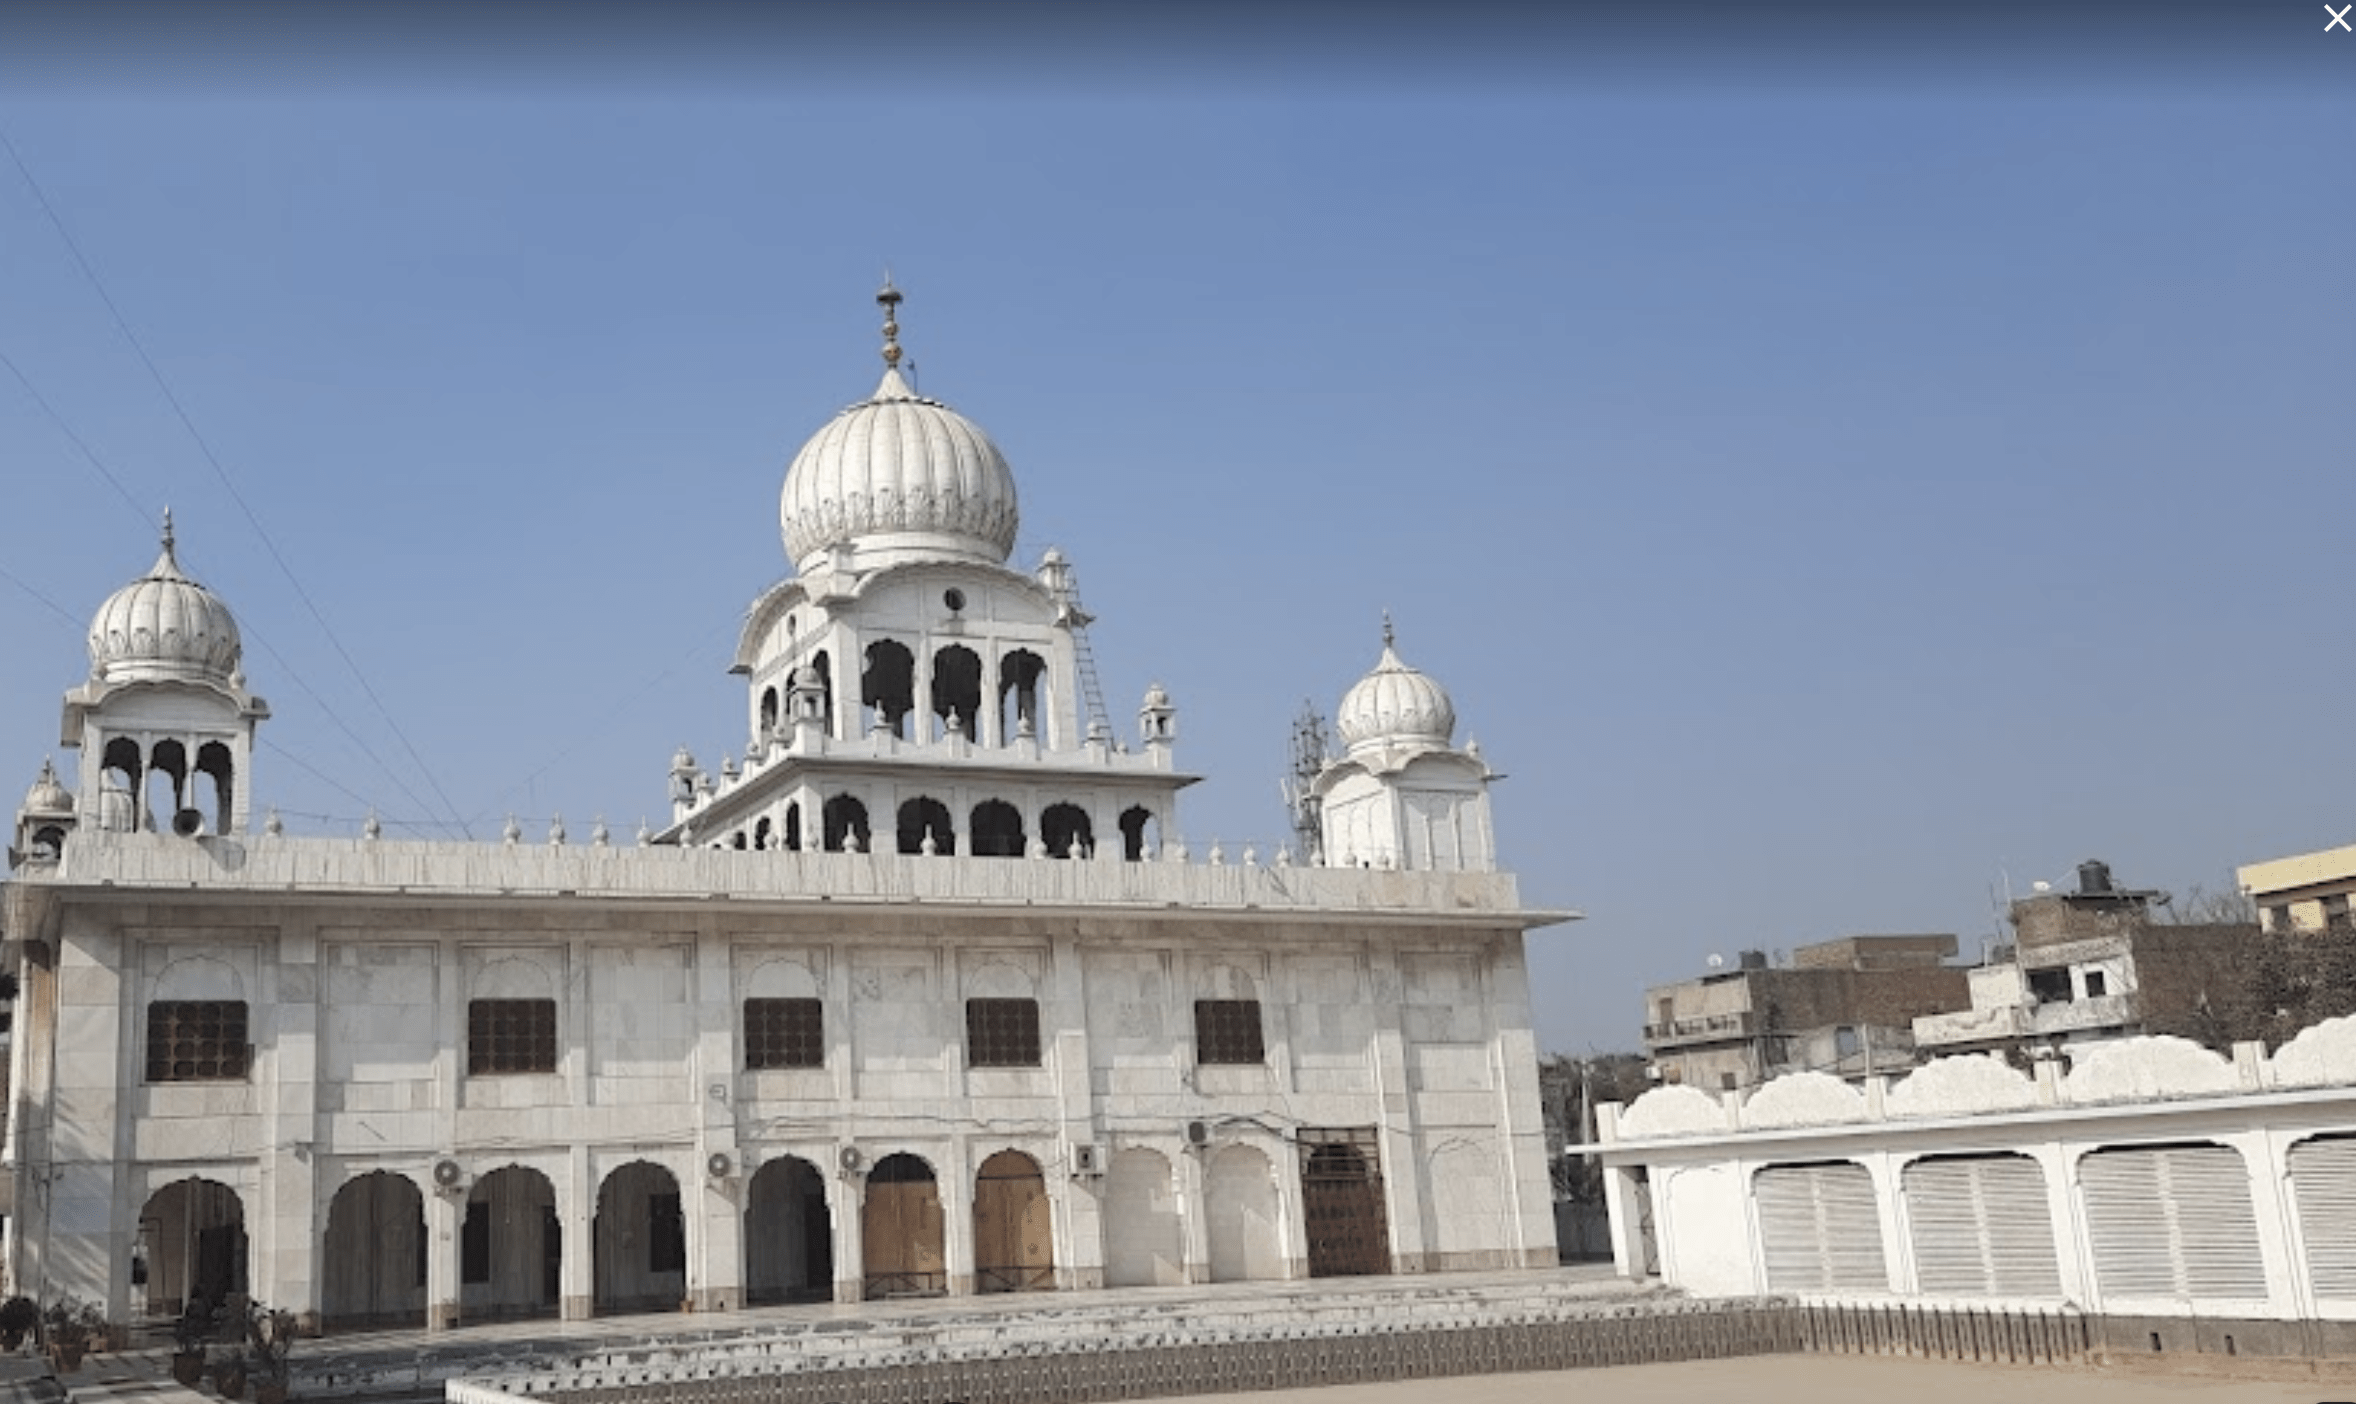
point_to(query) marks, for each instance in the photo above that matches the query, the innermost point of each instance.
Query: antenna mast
(1309, 746)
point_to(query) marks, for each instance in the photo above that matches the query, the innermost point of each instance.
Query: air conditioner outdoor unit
(1198, 1134)
(849, 1158)
(1087, 1160)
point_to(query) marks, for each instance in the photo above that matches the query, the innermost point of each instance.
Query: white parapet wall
(2152, 1178)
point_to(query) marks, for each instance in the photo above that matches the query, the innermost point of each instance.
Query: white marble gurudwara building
(923, 995)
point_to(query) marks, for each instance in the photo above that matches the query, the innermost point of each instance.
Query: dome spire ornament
(1389, 636)
(889, 299)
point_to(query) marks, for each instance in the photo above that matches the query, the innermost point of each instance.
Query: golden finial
(889, 300)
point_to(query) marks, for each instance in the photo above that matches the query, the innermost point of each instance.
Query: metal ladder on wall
(1091, 692)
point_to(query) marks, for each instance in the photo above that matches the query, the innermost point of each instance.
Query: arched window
(888, 687)
(768, 710)
(957, 688)
(761, 836)
(1141, 833)
(212, 762)
(793, 828)
(825, 667)
(120, 776)
(167, 785)
(846, 819)
(924, 816)
(1019, 673)
(997, 830)
(1064, 825)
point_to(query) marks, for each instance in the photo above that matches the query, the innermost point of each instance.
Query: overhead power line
(204, 448)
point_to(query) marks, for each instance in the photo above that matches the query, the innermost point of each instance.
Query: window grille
(1002, 1033)
(784, 1033)
(1228, 1031)
(510, 1036)
(197, 1040)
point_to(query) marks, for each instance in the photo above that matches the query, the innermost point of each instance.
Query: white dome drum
(900, 474)
(1395, 704)
(164, 627)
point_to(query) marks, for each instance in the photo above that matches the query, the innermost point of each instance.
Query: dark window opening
(1002, 1033)
(957, 688)
(474, 1243)
(846, 825)
(1065, 827)
(2096, 984)
(888, 687)
(1140, 834)
(997, 830)
(784, 1033)
(2050, 986)
(510, 1036)
(197, 1040)
(666, 1234)
(1228, 1031)
(1018, 684)
(925, 817)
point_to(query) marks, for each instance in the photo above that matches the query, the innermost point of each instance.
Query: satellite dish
(1716, 960)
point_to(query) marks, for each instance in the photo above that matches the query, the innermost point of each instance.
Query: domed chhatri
(898, 477)
(164, 626)
(48, 794)
(1395, 704)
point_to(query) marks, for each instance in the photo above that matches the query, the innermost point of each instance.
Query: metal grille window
(1820, 1228)
(2172, 1222)
(784, 1033)
(1228, 1031)
(2323, 1177)
(196, 1040)
(1981, 1227)
(1002, 1033)
(510, 1036)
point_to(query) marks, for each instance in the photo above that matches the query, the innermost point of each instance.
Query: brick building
(1845, 1007)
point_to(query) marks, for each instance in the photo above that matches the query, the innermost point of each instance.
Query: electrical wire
(204, 448)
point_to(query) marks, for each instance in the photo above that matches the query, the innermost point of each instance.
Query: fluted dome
(1396, 704)
(164, 626)
(897, 472)
(48, 796)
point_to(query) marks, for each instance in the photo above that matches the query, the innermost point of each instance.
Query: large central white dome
(899, 476)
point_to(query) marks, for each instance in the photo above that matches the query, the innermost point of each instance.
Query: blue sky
(1827, 494)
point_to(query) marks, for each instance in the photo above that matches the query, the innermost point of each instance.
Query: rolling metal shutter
(1981, 1227)
(2323, 1179)
(1820, 1229)
(2172, 1221)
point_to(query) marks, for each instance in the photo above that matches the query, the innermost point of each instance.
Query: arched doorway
(1013, 1228)
(788, 1234)
(1064, 828)
(1342, 1206)
(1240, 1202)
(996, 830)
(511, 1247)
(1144, 1240)
(957, 689)
(845, 825)
(922, 818)
(900, 1228)
(192, 1240)
(639, 1257)
(373, 1269)
(1141, 834)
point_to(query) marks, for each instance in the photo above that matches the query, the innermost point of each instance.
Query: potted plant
(269, 1336)
(189, 1336)
(67, 1325)
(18, 1317)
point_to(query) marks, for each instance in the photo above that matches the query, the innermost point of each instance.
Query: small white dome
(48, 796)
(165, 626)
(1395, 704)
(897, 471)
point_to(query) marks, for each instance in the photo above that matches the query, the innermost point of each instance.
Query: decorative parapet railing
(2156, 1070)
(279, 864)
